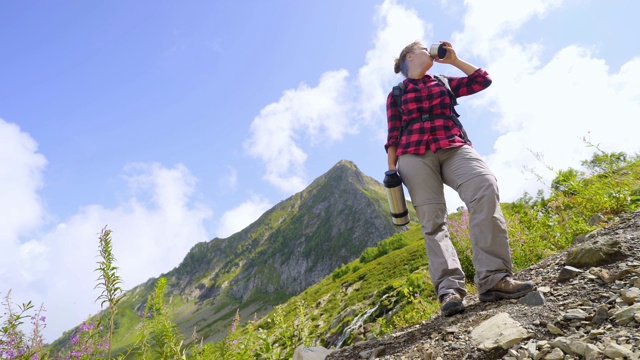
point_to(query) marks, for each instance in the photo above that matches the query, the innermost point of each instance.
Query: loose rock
(594, 315)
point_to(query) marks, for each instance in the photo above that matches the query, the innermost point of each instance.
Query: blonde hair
(400, 64)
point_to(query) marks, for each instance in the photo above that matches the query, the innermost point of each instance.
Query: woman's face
(421, 59)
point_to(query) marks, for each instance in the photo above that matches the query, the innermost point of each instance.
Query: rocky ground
(586, 306)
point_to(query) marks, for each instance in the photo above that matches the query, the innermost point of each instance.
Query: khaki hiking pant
(463, 170)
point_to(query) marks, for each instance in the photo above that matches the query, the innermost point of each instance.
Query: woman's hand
(451, 55)
(452, 58)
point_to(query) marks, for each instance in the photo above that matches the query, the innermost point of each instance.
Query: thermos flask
(395, 196)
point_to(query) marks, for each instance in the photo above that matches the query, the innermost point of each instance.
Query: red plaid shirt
(428, 96)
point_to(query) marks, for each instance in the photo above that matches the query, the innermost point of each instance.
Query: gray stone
(544, 289)
(375, 353)
(584, 238)
(542, 353)
(563, 344)
(575, 314)
(554, 329)
(534, 298)
(311, 353)
(531, 348)
(555, 354)
(616, 351)
(567, 273)
(631, 295)
(523, 355)
(579, 347)
(626, 315)
(602, 251)
(602, 314)
(596, 219)
(578, 239)
(499, 331)
(592, 352)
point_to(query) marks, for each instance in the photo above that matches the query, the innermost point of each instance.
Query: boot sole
(489, 296)
(451, 308)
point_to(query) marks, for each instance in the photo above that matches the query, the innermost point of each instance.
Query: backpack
(398, 90)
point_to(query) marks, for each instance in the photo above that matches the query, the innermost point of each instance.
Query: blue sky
(176, 122)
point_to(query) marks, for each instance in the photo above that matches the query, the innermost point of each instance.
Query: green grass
(393, 274)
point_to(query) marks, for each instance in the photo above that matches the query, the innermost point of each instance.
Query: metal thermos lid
(392, 179)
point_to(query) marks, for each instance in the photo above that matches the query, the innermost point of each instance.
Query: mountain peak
(348, 163)
(345, 171)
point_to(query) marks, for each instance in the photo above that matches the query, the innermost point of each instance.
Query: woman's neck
(415, 75)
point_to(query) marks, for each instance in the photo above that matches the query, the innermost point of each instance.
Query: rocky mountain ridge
(290, 247)
(586, 306)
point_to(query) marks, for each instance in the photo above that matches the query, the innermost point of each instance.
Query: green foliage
(159, 338)
(288, 333)
(87, 343)
(603, 162)
(390, 278)
(110, 283)
(459, 233)
(567, 181)
(540, 226)
(14, 343)
(346, 269)
(395, 242)
(417, 302)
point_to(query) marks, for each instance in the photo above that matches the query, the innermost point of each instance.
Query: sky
(175, 122)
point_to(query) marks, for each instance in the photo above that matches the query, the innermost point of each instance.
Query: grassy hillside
(290, 247)
(538, 227)
(387, 287)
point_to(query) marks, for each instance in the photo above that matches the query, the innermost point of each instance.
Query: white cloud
(541, 107)
(490, 25)
(20, 208)
(546, 108)
(559, 104)
(152, 232)
(537, 107)
(304, 116)
(153, 229)
(397, 27)
(21, 177)
(242, 216)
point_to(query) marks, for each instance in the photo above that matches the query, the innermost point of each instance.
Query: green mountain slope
(393, 291)
(385, 286)
(289, 248)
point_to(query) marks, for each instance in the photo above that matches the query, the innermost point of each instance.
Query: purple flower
(74, 339)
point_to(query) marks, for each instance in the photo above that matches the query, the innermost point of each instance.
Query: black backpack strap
(398, 90)
(454, 101)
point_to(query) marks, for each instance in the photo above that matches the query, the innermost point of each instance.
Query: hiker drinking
(429, 148)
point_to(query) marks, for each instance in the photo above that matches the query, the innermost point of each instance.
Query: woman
(431, 151)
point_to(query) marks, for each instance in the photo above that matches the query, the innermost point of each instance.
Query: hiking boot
(507, 288)
(451, 304)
